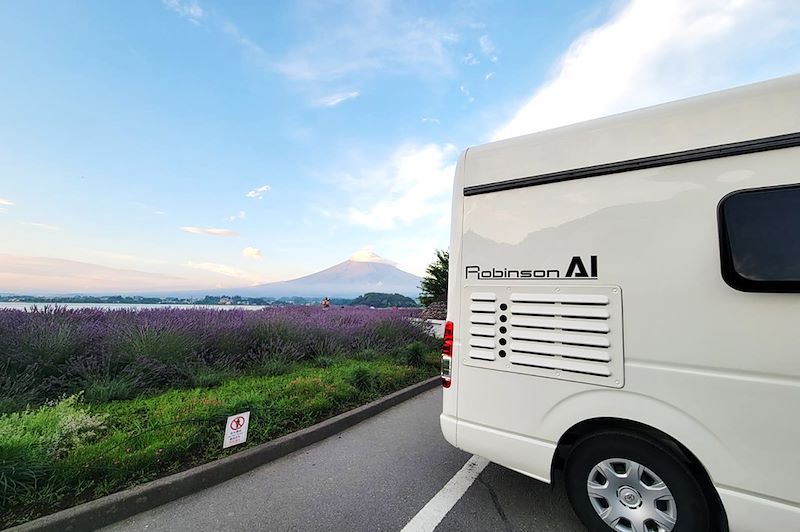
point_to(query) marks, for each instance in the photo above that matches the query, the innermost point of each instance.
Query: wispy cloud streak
(335, 99)
(210, 231)
(259, 192)
(188, 10)
(47, 227)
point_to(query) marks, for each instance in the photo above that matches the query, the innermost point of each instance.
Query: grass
(72, 451)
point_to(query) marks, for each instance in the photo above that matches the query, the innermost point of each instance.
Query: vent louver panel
(564, 332)
(481, 326)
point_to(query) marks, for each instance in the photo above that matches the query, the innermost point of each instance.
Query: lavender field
(118, 354)
(94, 401)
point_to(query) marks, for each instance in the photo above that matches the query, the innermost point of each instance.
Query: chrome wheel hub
(629, 497)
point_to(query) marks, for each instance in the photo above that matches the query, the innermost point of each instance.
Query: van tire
(691, 507)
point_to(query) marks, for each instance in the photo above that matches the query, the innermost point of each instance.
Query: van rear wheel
(625, 482)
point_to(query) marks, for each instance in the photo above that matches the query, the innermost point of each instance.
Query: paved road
(375, 476)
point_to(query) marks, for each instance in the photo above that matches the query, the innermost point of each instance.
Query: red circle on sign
(237, 422)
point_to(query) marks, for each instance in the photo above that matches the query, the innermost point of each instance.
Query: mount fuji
(363, 272)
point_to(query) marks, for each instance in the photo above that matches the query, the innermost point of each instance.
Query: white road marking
(432, 513)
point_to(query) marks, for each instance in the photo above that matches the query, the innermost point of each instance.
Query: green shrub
(205, 377)
(109, 389)
(52, 343)
(277, 340)
(17, 390)
(272, 368)
(324, 362)
(324, 345)
(367, 354)
(391, 332)
(31, 440)
(362, 379)
(166, 346)
(414, 354)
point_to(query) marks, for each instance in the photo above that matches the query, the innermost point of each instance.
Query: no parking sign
(236, 429)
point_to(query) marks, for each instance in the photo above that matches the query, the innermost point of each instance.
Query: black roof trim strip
(778, 142)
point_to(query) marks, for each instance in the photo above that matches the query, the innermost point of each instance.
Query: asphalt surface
(375, 476)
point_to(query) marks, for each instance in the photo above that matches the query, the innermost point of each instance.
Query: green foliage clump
(167, 346)
(324, 362)
(107, 389)
(381, 300)
(324, 346)
(205, 377)
(32, 440)
(434, 284)
(17, 390)
(272, 368)
(367, 354)
(414, 354)
(362, 379)
(277, 340)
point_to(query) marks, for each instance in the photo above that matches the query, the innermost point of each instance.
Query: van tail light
(447, 355)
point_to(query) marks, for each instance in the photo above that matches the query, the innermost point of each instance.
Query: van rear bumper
(449, 426)
(529, 456)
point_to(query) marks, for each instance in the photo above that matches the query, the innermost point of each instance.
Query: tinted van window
(760, 239)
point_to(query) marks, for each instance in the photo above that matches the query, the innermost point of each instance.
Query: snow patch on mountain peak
(366, 254)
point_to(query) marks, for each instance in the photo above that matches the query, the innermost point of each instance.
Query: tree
(382, 300)
(434, 284)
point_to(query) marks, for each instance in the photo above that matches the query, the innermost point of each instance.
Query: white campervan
(624, 312)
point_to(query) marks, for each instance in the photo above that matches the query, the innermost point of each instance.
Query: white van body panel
(716, 369)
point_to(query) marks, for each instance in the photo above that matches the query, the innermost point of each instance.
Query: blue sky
(193, 143)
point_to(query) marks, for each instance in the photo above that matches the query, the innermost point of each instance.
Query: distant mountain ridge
(347, 279)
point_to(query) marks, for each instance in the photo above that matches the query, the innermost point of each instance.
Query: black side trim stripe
(778, 142)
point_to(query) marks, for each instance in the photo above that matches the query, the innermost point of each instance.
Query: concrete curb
(118, 506)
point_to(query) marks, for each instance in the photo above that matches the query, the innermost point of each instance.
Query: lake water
(125, 306)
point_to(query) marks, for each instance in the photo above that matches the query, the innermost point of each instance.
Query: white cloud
(48, 227)
(252, 253)
(257, 193)
(211, 231)
(335, 99)
(345, 39)
(189, 10)
(241, 215)
(488, 48)
(488, 76)
(430, 120)
(414, 184)
(652, 52)
(470, 59)
(4, 201)
(224, 269)
(416, 251)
